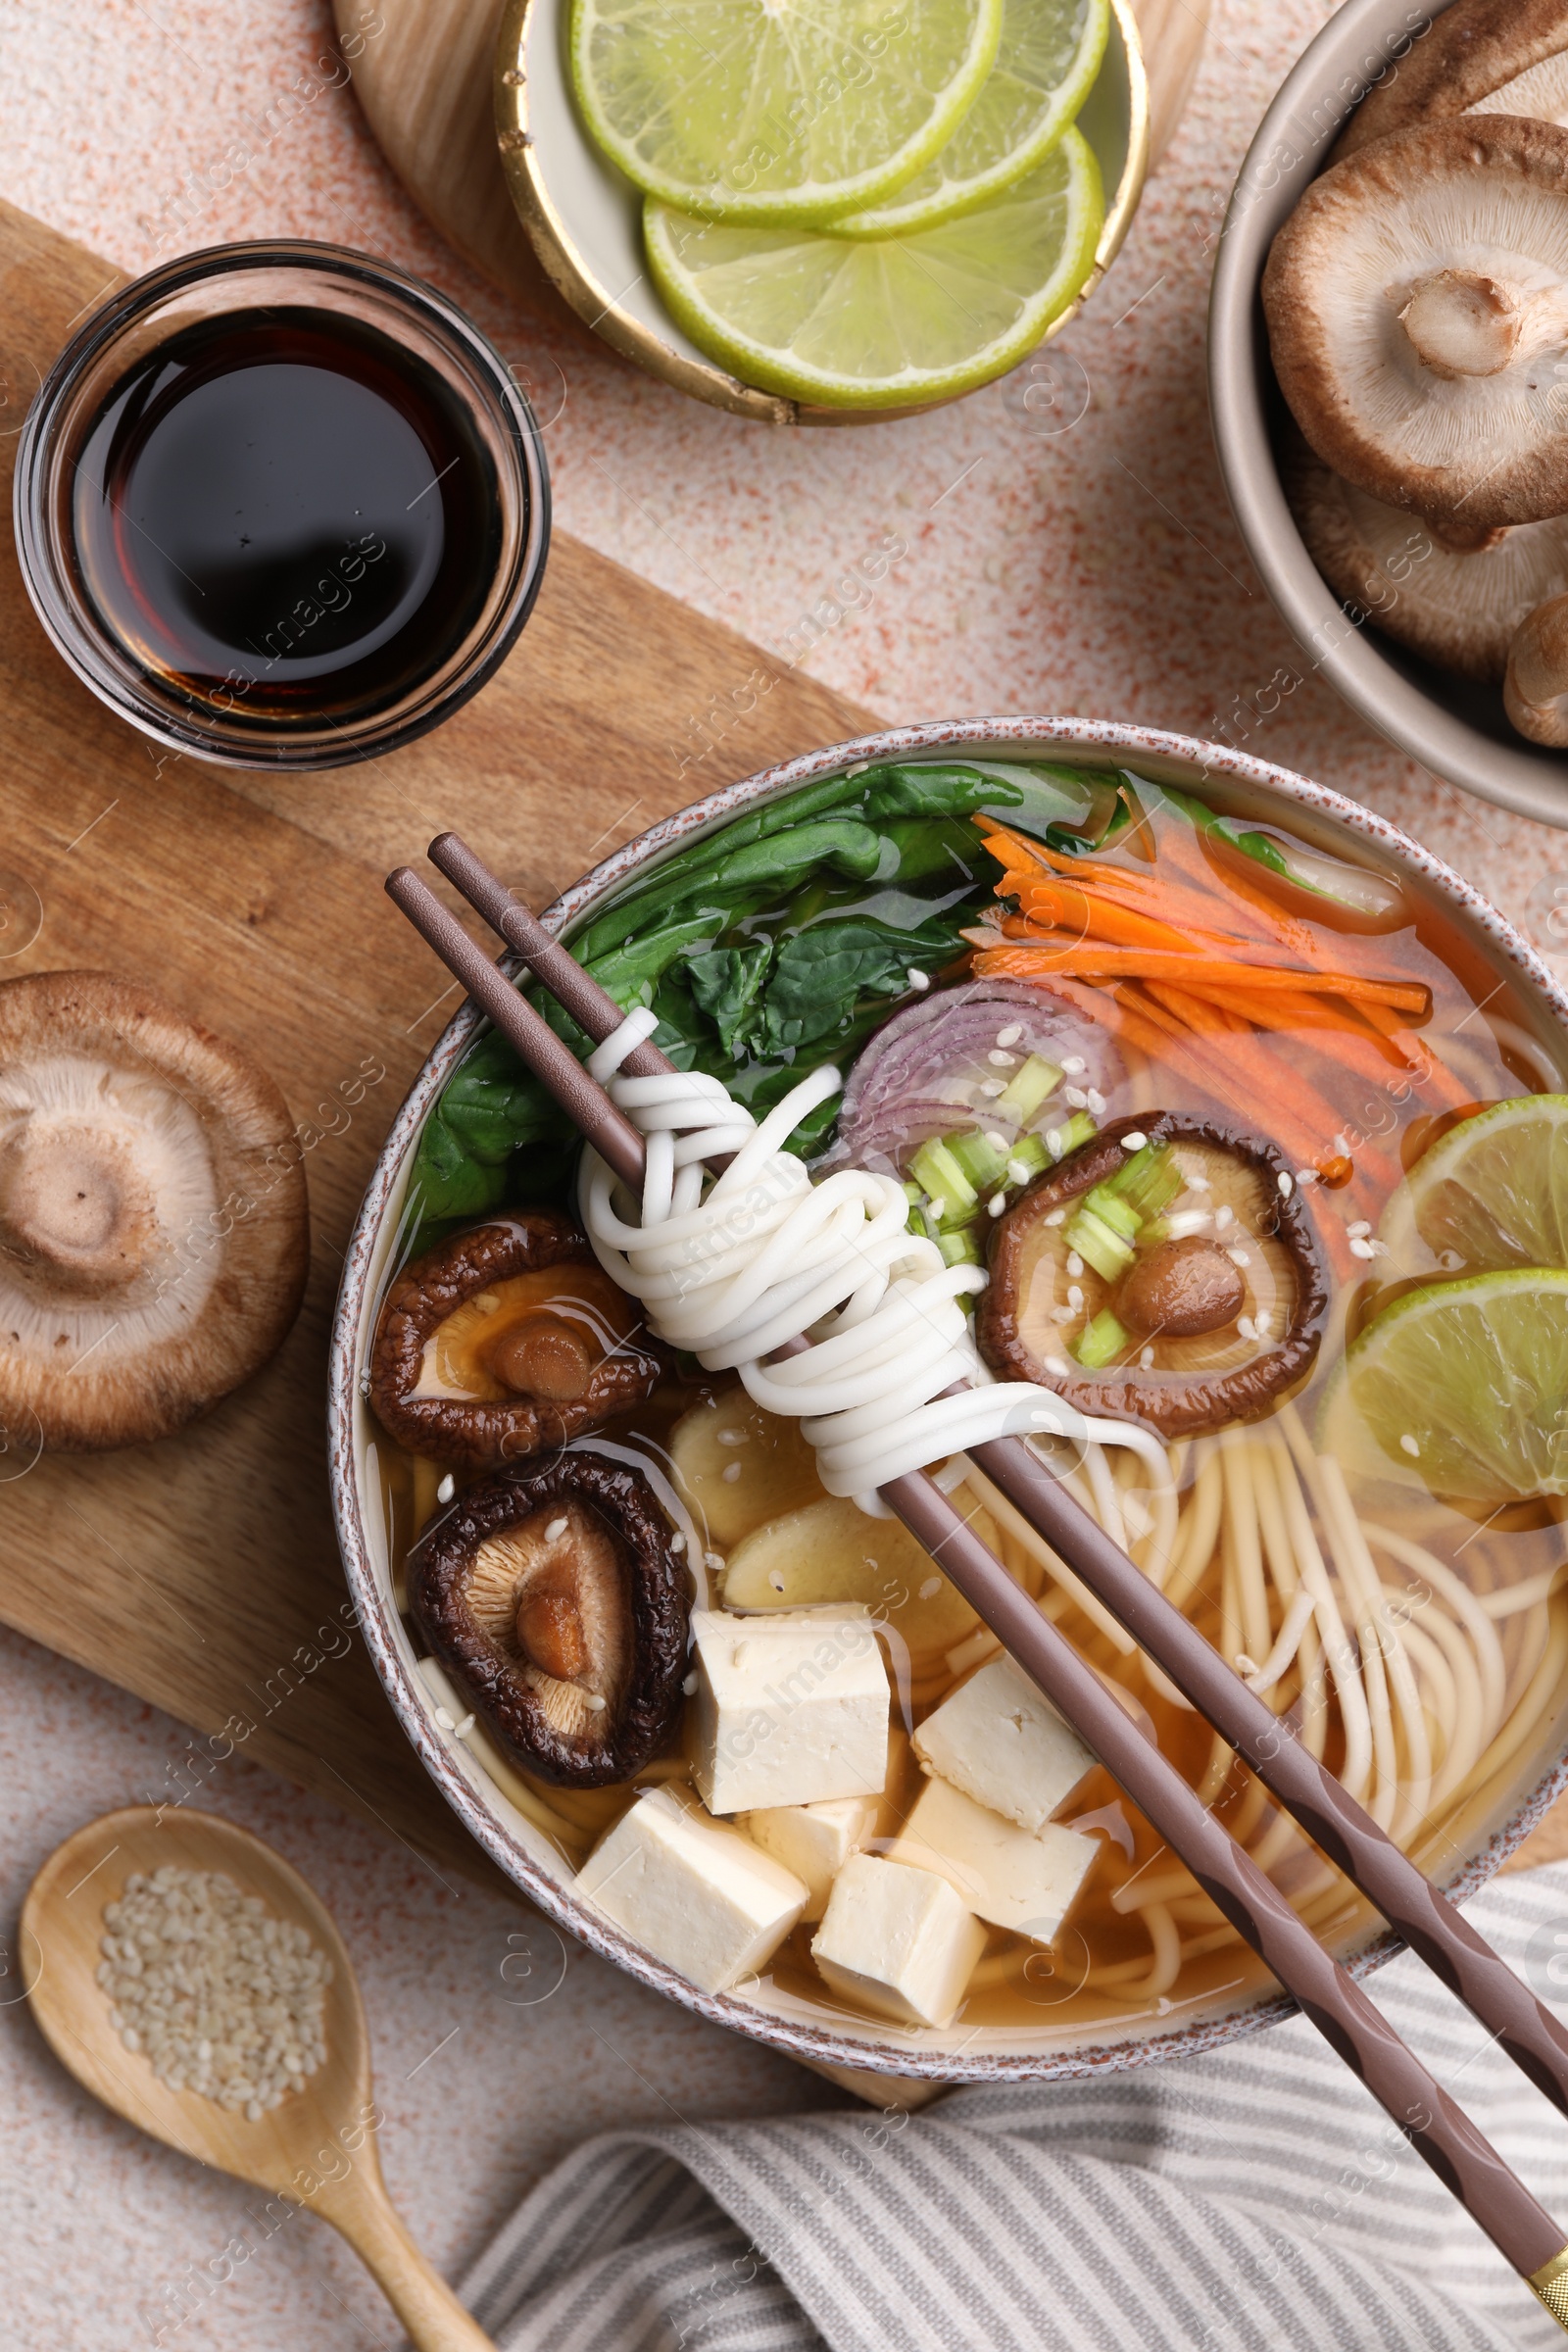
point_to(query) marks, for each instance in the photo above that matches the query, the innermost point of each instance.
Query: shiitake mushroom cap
(489, 1561)
(480, 1435)
(1172, 1403)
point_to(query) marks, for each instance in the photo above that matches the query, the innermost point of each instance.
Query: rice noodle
(731, 1267)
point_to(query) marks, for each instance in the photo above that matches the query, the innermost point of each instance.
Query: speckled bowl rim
(1291, 148)
(819, 2045)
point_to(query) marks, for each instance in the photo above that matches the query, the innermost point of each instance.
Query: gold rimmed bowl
(584, 217)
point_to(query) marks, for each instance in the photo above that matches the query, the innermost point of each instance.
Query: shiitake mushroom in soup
(1197, 1103)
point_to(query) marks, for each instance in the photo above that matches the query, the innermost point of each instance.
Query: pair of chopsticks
(1436, 2126)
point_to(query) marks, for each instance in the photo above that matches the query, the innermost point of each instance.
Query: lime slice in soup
(860, 322)
(1493, 1191)
(777, 110)
(1463, 1385)
(1046, 66)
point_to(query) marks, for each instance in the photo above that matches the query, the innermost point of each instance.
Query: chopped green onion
(981, 1159)
(1106, 1203)
(1149, 1181)
(1027, 1159)
(1079, 1129)
(959, 1248)
(1026, 1090)
(1101, 1341)
(938, 1173)
(1097, 1243)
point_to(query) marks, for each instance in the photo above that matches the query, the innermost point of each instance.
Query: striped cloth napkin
(1255, 2197)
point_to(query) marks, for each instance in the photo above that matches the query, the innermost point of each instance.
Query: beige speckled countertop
(1090, 569)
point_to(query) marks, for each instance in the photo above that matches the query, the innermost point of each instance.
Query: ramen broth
(1455, 1633)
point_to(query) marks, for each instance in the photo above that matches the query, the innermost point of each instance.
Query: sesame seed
(1019, 1171)
(1054, 1147)
(938, 1207)
(733, 1436)
(1238, 1257)
(447, 1489)
(1146, 1359)
(1247, 1326)
(689, 1686)
(1134, 1140)
(1010, 1035)
(931, 1587)
(1223, 1217)
(996, 1141)
(447, 1722)
(464, 1727)
(990, 1088)
(1286, 1183)
(1198, 1184)
(1075, 1298)
(776, 1577)
(1002, 1061)
(594, 1702)
(997, 1203)
(1058, 1365)
(556, 1529)
(677, 1542)
(1409, 1445)
(1096, 1100)
(1075, 1264)
(1360, 1248)
(919, 981)
(1056, 1216)
(1359, 1230)
(1076, 1098)
(713, 1561)
(730, 1473)
(1307, 1176)
(1074, 1065)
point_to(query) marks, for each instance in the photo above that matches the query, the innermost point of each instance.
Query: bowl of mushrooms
(1388, 379)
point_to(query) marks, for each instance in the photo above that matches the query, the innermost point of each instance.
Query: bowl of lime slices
(824, 215)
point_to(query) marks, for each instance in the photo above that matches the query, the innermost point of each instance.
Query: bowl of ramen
(1229, 1115)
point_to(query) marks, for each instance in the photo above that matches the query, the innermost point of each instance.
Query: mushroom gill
(1417, 302)
(505, 1339)
(1166, 1272)
(1457, 605)
(553, 1593)
(1534, 691)
(154, 1235)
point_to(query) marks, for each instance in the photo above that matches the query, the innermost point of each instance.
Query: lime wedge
(777, 110)
(1493, 1191)
(855, 322)
(1463, 1385)
(1047, 61)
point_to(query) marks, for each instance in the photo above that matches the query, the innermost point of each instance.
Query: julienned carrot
(1434, 1072)
(1092, 915)
(1079, 960)
(1334, 1028)
(1185, 853)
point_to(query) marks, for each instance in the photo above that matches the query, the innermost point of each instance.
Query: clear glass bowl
(212, 720)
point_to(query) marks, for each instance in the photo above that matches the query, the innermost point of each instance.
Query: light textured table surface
(1092, 569)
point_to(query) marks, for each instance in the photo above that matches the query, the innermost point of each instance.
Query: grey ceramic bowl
(1456, 728)
(1489, 1830)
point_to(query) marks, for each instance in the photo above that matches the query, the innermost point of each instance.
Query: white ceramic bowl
(1236, 784)
(1456, 728)
(585, 218)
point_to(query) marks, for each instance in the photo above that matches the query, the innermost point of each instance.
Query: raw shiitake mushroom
(1166, 1272)
(1417, 305)
(505, 1339)
(1487, 56)
(154, 1232)
(553, 1593)
(1455, 597)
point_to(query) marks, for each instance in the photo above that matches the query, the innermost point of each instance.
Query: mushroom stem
(1534, 692)
(1460, 323)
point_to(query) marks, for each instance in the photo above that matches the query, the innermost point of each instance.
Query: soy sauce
(286, 515)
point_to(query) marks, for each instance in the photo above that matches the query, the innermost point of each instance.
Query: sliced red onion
(925, 1072)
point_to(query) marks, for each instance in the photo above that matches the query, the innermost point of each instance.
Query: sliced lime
(1493, 1191)
(1047, 61)
(1463, 1385)
(777, 110)
(854, 323)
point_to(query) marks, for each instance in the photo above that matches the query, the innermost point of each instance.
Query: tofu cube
(1000, 1741)
(790, 1708)
(898, 1940)
(699, 1896)
(814, 1840)
(1025, 1880)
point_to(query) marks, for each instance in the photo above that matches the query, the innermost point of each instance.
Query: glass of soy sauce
(281, 507)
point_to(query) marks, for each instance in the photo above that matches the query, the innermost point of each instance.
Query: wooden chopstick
(1433, 2123)
(1418, 1912)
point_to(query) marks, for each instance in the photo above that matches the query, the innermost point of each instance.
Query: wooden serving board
(424, 82)
(202, 1574)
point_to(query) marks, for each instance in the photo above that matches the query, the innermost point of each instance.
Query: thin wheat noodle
(1199, 1531)
(1466, 1727)
(1508, 1599)
(1251, 1593)
(1387, 1648)
(1526, 1716)
(1461, 1600)
(1355, 1717)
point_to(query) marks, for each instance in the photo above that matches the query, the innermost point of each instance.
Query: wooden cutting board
(423, 80)
(202, 1574)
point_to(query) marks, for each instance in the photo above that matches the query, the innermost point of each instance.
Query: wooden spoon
(318, 2147)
